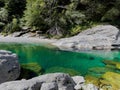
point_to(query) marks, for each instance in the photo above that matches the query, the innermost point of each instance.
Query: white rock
(78, 87)
(89, 87)
(78, 79)
(99, 37)
(49, 86)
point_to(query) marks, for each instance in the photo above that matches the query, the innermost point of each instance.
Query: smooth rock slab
(9, 66)
(101, 37)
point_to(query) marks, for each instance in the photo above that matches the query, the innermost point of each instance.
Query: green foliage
(58, 18)
(12, 26)
(32, 15)
(3, 15)
(2, 3)
(75, 30)
(15, 7)
(2, 24)
(53, 16)
(111, 14)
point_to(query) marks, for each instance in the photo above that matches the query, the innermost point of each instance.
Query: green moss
(30, 70)
(91, 79)
(113, 80)
(112, 64)
(71, 72)
(99, 71)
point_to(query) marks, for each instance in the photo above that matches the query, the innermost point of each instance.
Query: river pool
(53, 60)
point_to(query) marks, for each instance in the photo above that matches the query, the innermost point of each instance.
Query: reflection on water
(52, 58)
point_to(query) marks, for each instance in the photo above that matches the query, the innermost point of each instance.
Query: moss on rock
(113, 80)
(30, 70)
(71, 72)
(92, 79)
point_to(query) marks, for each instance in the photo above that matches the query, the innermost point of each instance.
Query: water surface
(54, 58)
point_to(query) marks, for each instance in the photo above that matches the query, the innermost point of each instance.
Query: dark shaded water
(54, 59)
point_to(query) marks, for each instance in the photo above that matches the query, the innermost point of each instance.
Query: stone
(103, 30)
(78, 79)
(89, 87)
(69, 87)
(61, 81)
(9, 66)
(101, 37)
(21, 85)
(61, 78)
(78, 87)
(49, 86)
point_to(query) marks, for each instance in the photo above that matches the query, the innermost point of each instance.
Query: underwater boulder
(113, 80)
(30, 70)
(70, 71)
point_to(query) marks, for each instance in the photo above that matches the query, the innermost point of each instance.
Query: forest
(60, 18)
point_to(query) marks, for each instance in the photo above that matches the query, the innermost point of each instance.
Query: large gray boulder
(9, 66)
(100, 37)
(54, 81)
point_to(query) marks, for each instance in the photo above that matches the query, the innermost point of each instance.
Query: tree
(52, 16)
(15, 7)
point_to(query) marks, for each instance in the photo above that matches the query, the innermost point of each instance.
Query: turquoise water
(53, 58)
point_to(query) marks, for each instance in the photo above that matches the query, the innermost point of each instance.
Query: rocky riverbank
(101, 37)
(54, 81)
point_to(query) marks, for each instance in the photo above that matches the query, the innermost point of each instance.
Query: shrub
(3, 15)
(15, 7)
(111, 15)
(12, 26)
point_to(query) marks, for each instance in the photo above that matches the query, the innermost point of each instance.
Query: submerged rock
(113, 81)
(70, 71)
(30, 70)
(113, 64)
(9, 66)
(99, 38)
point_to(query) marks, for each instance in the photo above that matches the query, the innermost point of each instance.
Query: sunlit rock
(101, 37)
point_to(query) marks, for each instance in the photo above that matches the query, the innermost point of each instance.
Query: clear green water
(53, 58)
